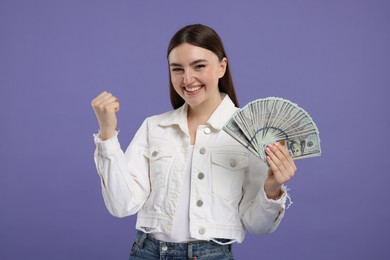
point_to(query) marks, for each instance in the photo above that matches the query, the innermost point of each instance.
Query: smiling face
(195, 72)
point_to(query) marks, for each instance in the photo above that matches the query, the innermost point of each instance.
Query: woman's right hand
(105, 106)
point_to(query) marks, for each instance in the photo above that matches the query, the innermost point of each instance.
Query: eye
(177, 69)
(200, 66)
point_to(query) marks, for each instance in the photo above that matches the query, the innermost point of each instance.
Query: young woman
(196, 190)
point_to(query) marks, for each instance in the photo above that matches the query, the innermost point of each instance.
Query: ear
(222, 67)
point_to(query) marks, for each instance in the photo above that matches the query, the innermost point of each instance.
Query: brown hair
(204, 37)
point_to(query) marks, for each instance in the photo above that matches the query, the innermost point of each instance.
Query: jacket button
(202, 231)
(200, 175)
(199, 203)
(233, 163)
(207, 130)
(154, 154)
(202, 150)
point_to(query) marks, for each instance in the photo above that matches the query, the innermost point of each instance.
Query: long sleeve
(124, 176)
(259, 214)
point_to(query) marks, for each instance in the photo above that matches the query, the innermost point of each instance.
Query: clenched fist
(105, 106)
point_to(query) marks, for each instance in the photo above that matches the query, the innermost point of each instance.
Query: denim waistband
(190, 249)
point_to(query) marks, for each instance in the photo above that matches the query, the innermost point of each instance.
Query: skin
(194, 75)
(281, 169)
(106, 106)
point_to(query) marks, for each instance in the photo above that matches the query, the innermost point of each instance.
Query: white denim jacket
(227, 181)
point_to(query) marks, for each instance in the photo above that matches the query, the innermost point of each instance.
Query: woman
(195, 189)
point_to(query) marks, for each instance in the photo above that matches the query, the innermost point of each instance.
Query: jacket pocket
(160, 161)
(228, 171)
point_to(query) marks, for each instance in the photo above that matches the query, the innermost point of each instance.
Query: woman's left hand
(281, 169)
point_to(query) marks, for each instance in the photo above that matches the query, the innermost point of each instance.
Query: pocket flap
(155, 153)
(230, 161)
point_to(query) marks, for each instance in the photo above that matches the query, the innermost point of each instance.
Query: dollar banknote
(273, 119)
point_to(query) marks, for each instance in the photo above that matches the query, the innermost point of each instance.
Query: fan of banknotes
(269, 120)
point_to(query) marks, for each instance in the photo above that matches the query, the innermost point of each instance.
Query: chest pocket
(228, 171)
(160, 162)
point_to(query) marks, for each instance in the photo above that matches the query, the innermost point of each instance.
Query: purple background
(330, 57)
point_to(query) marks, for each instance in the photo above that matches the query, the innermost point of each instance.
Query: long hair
(205, 37)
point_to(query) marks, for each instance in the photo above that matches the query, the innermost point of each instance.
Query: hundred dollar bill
(304, 146)
(273, 119)
(234, 130)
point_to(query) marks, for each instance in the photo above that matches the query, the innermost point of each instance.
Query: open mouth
(193, 89)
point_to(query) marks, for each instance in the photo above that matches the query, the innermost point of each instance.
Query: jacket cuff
(107, 147)
(278, 203)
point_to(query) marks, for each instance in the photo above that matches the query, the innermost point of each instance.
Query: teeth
(193, 89)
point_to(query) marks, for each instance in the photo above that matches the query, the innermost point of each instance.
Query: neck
(204, 111)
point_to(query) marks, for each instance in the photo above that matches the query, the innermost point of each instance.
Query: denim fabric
(147, 247)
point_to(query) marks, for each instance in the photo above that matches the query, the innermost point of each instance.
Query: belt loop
(140, 242)
(189, 251)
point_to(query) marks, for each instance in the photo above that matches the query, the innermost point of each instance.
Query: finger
(276, 150)
(116, 107)
(283, 149)
(279, 163)
(97, 100)
(110, 105)
(105, 103)
(273, 155)
(114, 103)
(103, 97)
(275, 170)
(103, 94)
(109, 100)
(284, 156)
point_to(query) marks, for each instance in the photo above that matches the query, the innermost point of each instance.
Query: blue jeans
(147, 247)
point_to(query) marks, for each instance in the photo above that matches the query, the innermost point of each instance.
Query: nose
(188, 78)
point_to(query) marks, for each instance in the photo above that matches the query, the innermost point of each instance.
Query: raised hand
(105, 106)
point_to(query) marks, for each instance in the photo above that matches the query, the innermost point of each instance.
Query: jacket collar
(217, 120)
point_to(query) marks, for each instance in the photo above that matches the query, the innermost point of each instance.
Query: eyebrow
(191, 64)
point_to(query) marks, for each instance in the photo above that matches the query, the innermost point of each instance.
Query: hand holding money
(265, 126)
(281, 169)
(269, 120)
